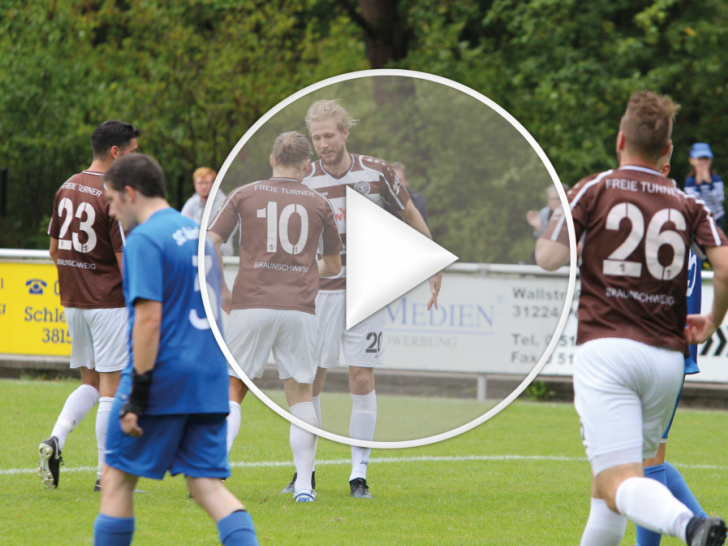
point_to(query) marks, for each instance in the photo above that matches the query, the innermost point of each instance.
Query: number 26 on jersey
(617, 263)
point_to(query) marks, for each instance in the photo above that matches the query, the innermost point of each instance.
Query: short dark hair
(647, 123)
(112, 133)
(140, 172)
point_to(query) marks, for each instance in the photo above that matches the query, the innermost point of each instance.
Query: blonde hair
(647, 123)
(291, 150)
(203, 172)
(329, 109)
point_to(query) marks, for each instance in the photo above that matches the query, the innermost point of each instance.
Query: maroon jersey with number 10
(636, 228)
(281, 222)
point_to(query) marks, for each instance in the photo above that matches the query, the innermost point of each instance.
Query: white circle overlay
(503, 403)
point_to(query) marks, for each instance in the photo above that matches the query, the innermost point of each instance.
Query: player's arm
(53, 250)
(551, 255)
(700, 328)
(413, 218)
(145, 344)
(225, 294)
(118, 260)
(329, 265)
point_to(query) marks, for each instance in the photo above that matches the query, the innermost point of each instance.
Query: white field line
(387, 460)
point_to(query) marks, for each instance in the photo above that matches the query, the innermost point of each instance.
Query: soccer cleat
(706, 532)
(291, 487)
(97, 487)
(50, 462)
(306, 495)
(360, 489)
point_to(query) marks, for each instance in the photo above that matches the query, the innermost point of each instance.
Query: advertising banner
(494, 324)
(32, 320)
(712, 355)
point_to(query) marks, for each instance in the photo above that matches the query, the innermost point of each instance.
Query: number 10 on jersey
(279, 227)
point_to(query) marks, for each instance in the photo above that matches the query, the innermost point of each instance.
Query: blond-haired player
(363, 345)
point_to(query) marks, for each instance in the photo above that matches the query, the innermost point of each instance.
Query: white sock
(303, 444)
(650, 504)
(604, 527)
(317, 408)
(102, 425)
(77, 406)
(361, 427)
(233, 424)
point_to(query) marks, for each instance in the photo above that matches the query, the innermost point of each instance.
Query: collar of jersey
(283, 178)
(93, 173)
(343, 175)
(643, 169)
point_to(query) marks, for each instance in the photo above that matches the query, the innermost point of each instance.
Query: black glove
(139, 395)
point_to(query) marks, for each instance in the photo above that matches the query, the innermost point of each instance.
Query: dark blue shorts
(194, 445)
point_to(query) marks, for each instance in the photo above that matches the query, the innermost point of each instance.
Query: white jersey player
(363, 345)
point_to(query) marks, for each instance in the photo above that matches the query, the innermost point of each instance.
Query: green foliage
(539, 391)
(195, 75)
(192, 75)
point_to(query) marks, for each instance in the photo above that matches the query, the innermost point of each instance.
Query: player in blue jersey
(657, 468)
(170, 409)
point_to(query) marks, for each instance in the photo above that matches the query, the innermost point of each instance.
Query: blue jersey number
(201, 323)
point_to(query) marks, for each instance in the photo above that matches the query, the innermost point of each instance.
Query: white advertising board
(501, 323)
(485, 324)
(712, 355)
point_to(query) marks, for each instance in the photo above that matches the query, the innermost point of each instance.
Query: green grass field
(519, 479)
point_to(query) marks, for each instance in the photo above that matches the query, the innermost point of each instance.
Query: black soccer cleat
(50, 462)
(360, 489)
(97, 487)
(290, 488)
(706, 532)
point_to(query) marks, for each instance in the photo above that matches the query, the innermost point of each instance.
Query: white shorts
(252, 334)
(624, 392)
(363, 345)
(99, 338)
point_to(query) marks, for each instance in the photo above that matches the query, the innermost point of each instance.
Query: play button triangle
(385, 258)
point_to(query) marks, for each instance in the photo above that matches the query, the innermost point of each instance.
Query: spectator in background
(539, 219)
(203, 179)
(702, 183)
(418, 200)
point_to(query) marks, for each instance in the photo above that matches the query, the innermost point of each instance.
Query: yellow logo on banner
(32, 320)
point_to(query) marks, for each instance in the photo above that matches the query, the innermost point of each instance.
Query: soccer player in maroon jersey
(272, 305)
(86, 245)
(636, 229)
(363, 345)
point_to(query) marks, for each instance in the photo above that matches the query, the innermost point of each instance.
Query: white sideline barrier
(493, 319)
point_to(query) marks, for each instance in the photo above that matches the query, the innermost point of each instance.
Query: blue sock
(679, 488)
(110, 531)
(237, 530)
(646, 537)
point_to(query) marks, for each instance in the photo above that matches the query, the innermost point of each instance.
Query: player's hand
(227, 300)
(435, 283)
(534, 219)
(130, 425)
(699, 328)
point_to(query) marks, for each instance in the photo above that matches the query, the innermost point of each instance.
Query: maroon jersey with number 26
(636, 229)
